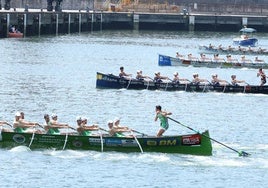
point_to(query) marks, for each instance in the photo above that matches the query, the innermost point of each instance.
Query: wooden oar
(240, 153)
(72, 128)
(32, 137)
(129, 82)
(101, 140)
(168, 83)
(137, 142)
(66, 136)
(139, 132)
(103, 129)
(41, 126)
(9, 124)
(65, 141)
(148, 82)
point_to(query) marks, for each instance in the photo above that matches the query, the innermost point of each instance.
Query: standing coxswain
(162, 116)
(263, 76)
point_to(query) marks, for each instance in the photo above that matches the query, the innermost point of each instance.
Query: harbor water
(51, 74)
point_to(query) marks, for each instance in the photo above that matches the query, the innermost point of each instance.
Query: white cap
(116, 119)
(109, 121)
(175, 73)
(195, 74)
(17, 114)
(84, 119)
(54, 115)
(78, 118)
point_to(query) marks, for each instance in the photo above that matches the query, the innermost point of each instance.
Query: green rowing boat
(194, 144)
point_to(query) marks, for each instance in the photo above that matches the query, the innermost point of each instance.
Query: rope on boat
(32, 137)
(137, 141)
(147, 85)
(224, 88)
(166, 86)
(204, 88)
(101, 141)
(66, 139)
(129, 82)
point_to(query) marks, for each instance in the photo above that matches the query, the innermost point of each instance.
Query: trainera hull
(226, 50)
(164, 60)
(195, 144)
(109, 81)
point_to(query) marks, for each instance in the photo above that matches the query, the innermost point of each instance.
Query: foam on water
(49, 77)
(19, 149)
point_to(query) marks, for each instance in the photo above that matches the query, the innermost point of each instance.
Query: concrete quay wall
(248, 7)
(36, 22)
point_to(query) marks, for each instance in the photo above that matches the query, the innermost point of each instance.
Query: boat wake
(66, 154)
(20, 149)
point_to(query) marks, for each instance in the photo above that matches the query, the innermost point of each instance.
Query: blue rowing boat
(164, 60)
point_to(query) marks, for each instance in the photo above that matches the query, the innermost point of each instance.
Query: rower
(176, 78)
(244, 60)
(204, 58)
(230, 48)
(230, 59)
(84, 129)
(217, 82)
(22, 126)
(191, 57)
(261, 50)
(158, 78)
(241, 49)
(122, 73)
(196, 80)
(210, 46)
(217, 58)
(257, 60)
(139, 76)
(235, 82)
(179, 55)
(52, 126)
(3, 123)
(115, 129)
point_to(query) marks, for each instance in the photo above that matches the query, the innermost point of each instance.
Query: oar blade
(240, 153)
(244, 154)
